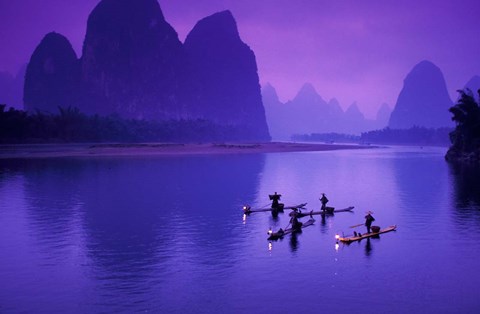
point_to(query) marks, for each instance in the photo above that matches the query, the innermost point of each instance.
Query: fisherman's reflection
(368, 248)
(274, 219)
(323, 221)
(323, 224)
(294, 242)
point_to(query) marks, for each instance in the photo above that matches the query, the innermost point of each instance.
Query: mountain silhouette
(309, 113)
(383, 115)
(130, 61)
(223, 74)
(423, 100)
(52, 76)
(133, 65)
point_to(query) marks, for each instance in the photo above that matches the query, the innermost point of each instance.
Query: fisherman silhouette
(324, 201)
(275, 198)
(296, 225)
(368, 220)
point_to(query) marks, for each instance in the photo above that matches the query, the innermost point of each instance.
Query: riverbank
(154, 149)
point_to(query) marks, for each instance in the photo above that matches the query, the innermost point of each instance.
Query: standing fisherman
(296, 225)
(368, 220)
(275, 198)
(324, 201)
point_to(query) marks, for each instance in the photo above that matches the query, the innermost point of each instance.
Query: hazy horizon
(347, 50)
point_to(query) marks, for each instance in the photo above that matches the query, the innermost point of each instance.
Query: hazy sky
(353, 50)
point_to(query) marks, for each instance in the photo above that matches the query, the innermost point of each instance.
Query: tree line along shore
(72, 126)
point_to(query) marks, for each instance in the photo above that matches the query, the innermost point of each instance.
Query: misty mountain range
(134, 65)
(309, 113)
(422, 102)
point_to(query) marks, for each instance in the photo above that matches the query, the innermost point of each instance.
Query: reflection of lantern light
(244, 218)
(337, 246)
(270, 246)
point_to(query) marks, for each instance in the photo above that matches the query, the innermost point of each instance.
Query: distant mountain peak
(52, 75)
(334, 108)
(473, 84)
(268, 91)
(223, 76)
(383, 114)
(425, 69)
(334, 102)
(423, 100)
(308, 95)
(307, 88)
(353, 107)
(353, 110)
(128, 9)
(425, 63)
(57, 37)
(219, 27)
(130, 61)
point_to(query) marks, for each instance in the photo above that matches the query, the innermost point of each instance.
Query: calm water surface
(167, 234)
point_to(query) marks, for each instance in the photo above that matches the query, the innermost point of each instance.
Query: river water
(167, 234)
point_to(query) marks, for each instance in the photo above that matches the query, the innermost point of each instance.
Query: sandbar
(154, 149)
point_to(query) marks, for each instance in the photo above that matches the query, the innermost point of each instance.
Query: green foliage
(71, 125)
(326, 138)
(466, 114)
(412, 136)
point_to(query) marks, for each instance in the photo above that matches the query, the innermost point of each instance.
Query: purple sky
(348, 49)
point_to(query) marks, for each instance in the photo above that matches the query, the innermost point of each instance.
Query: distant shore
(154, 149)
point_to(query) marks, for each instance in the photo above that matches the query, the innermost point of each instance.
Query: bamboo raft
(248, 210)
(328, 211)
(281, 233)
(359, 237)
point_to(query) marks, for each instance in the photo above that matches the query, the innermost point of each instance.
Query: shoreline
(27, 151)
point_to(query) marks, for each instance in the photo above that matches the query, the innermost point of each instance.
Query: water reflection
(138, 218)
(294, 242)
(420, 180)
(274, 219)
(368, 248)
(466, 183)
(466, 197)
(54, 202)
(324, 226)
(165, 235)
